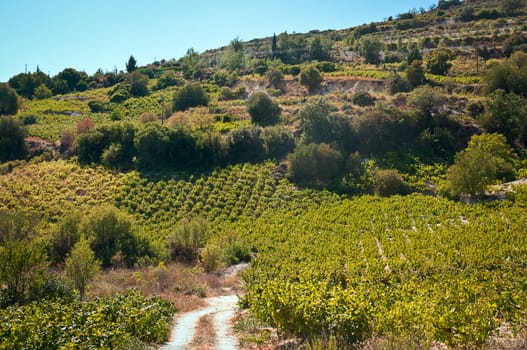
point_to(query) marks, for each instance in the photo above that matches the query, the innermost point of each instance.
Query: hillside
(357, 171)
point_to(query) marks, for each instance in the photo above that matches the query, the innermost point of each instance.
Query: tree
(319, 49)
(131, 65)
(263, 109)
(505, 113)
(427, 99)
(274, 47)
(317, 164)
(321, 125)
(389, 182)
(486, 159)
(187, 237)
(246, 145)
(233, 57)
(278, 141)
(510, 76)
(138, 84)
(191, 95)
(81, 266)
(107, 229)
(274, 77)
(415, 74)
(509, 7)
(370, 48)
(12, 135)
(438, 62)
(21, 256)
(8, 100)
(66, 236)
(42, 92)
(72, 78)
(311, 78)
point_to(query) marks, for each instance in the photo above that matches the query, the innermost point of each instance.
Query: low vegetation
(362, 172)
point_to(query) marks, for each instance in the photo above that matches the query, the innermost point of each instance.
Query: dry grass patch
(205, 336)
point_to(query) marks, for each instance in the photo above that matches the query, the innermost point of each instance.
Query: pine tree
(131, 65)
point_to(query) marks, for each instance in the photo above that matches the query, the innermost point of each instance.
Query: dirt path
(222, 309)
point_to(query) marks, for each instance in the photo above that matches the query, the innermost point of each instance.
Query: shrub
(389, 182)
(12, 135)
(119, 95)
(42, 92)
(317, 164)
(97, 106)
(311, 78)
(246, 145)
(274, 77)
(29, 119)
(475, 108)
(168, 79)
(187, 237)
(138, 84)
(8, 100)
(321, 125)
(396, 84)
(438, 62)
(363, 98)
(278, 142)
(191, 95)
(263, 109)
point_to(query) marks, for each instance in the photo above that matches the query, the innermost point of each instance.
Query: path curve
(222, 309)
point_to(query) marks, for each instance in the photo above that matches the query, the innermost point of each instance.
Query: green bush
(311, 78)
(187, 237)
(191, 95)
(29, 119)
(8, 100)
(363, 98)
(317, 164)
(263, 109)
(389, 182)
(97, 106)
(12, 135)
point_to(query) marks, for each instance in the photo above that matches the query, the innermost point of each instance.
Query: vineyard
(406, 265)
(122, 322)
(447, 271)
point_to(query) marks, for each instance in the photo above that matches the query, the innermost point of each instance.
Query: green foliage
(263, 109)
(131, 65)
(138, 84)
(363, 99)
(438, 63)
(65, 236)
(321, 125)
(42, 92)
(510, 7)
(510, 76)
(21, 256)
(246, 145)
(81, 266)
(97, 106)
(395, 84)
(274, 77)
(319, 48)
(12, 135)
(414, 265)
(427, 99)
(233, 57)
(370, 48)
(100, 324)
(168, 79)
(486, 159)
(377, 132)
(191, 95)
(389, 182)
(415, 74)
(278, 142)
(113, 238)
(505, 114)
(311, 78)
(317, 164)
(187, 237)
(8, 100)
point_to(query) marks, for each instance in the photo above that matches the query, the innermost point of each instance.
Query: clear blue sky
(91, 34)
